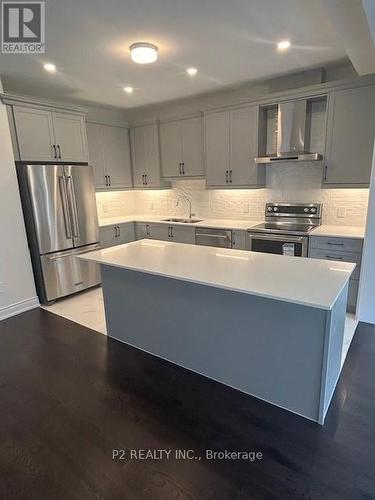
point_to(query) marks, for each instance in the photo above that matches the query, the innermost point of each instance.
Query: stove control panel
(296, 210)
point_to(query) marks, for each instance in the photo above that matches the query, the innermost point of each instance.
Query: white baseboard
(18, 307)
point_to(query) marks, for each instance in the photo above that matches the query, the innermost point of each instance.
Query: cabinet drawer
(330, 254)
(340, 244)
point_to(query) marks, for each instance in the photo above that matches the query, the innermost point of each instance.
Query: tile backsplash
(288, 182)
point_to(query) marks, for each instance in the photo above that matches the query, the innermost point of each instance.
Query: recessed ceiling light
(51, 68)
(143, 52)
(128, 90)
(192, 71)
(283, 45)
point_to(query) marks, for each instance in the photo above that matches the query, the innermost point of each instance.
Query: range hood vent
(291, 134)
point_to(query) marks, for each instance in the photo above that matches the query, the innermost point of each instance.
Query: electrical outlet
(245, 208)
(341, 212)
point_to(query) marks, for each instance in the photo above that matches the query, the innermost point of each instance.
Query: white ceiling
(229, 41)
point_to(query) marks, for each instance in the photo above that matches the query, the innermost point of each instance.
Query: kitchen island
(268, 325)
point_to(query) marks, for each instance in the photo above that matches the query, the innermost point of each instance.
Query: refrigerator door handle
(65, 207)
(73, 206)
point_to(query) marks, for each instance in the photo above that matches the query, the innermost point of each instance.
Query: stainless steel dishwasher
(221, 238)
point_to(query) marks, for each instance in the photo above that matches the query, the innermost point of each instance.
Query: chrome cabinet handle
(115, 230)
(109, 181)
(65, 207)
(59, 150)
(226, 176)
(143, 180)
(325, 172)
(146, 179)
(330, 257)
(147, 230)
(171, 228)
(180, 167)
(183, 168)
(73, 205)
(54, 151)
(335, 244)
(118, 231)
(230, 176)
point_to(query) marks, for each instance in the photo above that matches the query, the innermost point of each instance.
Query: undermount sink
(184, 221)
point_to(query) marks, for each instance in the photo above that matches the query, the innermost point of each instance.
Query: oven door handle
(277, 237)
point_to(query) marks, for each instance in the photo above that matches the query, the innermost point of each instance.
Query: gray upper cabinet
(146, 157)
(35, 136)
(70, 137)
(217, 148)
(231, 144)
(181, 146)
(44, 135)
(109, 154)
(350, 137)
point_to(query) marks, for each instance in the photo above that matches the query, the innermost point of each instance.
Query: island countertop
(309, 282)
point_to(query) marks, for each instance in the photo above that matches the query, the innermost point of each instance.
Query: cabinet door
(192, 147)
(152, 156)
(243, 148)
(35, 135)
(108, 236)
(70, 134)
(350, 136)
(117, 156)
(126, 232)
(239, 238)
(137, 139)
(217, 148)
(181, 234)
(96, 153)
(159, 232)
(170, 149)
(142, 230)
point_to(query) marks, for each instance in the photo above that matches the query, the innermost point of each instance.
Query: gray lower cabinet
(350, 137)
(165, 232)
(239, 239)
(109, 155)
(231, 144)
(340, 249)
(116, 234)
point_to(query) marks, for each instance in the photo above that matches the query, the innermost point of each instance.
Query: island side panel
(335, 329)
(267, 348)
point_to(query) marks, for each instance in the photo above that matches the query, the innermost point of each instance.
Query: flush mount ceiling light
(192, 71)
(128, 90)
(143, 53)
(51, 68)
(283, 45)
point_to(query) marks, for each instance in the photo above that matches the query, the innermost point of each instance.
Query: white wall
(366, 297)
(17, 290)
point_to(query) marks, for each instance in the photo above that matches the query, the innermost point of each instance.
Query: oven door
(282, 244)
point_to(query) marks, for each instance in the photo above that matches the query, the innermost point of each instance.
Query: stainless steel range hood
(291, 134)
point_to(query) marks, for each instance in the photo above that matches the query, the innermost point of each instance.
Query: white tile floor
(87, 308)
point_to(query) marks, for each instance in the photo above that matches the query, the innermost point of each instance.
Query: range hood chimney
(291, 134)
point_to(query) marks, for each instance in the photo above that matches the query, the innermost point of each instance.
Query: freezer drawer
(64, 274)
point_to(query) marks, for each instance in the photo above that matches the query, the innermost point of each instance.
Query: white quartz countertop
(210, 223)
(339, 231)
(323, 230)
(310, 282)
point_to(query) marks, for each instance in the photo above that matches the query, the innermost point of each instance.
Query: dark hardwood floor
(69, 397)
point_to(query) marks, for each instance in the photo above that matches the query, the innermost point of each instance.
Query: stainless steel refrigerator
(61, 221)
